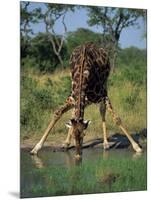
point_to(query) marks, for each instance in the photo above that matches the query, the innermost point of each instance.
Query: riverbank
(116, 141)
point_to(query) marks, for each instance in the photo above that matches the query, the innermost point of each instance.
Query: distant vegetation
(38, 53)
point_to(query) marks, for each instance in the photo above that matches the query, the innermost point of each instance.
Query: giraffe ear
(73, 121)
(70, 123)
(86, 123)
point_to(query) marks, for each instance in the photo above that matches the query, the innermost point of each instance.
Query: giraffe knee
(117, 121)
(70, 100)
(57, 113)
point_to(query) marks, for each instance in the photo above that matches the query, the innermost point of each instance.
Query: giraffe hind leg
(118, 122)
(105, 135)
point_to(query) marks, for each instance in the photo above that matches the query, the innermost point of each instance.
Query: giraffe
(90, 68)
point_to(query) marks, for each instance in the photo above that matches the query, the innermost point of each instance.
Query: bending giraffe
(90, 69)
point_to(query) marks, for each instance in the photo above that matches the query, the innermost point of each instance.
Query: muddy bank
(116, 141)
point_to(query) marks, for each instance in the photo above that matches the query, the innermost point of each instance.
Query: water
(47, 160)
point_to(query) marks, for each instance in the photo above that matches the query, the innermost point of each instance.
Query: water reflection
(40, 162)
(136, 155)
(105, 154)
(67, 159)
(37, 161)
(78, 161)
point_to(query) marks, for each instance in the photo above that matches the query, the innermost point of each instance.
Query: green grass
(103, 175)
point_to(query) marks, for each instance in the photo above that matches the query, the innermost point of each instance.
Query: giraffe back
(90, 69)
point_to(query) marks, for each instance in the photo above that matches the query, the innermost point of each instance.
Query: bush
(35, 101)
(40, 52)
(81, 36)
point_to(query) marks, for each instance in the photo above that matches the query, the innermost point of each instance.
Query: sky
(131, 36)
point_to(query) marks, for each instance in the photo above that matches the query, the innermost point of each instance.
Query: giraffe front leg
(105, 135)
(67, 142)
(57, 115)
(118, 122)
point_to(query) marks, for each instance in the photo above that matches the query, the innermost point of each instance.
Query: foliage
(81, 36)
(26, 19)
(113, 21)
(133, 55)
(40, 52)
(43, 53)
(34, 100)
(131, 67)
(50, 16)
(25, 48)
(40, 97)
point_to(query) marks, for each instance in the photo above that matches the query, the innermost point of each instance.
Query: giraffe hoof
(35, 150)
(138, 149)
(106, 146)
(65, 145)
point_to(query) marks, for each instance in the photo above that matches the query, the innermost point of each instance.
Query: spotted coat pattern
(90, 69)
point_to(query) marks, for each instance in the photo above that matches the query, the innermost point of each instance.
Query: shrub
(35, 101)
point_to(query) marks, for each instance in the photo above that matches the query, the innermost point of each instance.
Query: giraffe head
(78, 126)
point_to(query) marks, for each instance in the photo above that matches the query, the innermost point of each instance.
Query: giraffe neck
(81, 96)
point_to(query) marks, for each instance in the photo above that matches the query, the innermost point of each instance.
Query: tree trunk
(57, 52)
(114, 56)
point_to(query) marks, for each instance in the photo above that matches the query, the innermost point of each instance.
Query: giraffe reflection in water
(67, 159)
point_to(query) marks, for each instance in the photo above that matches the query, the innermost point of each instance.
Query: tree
(81, 36)
(50, 15)
(27, 17)
(113, 21)
(42, 52)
